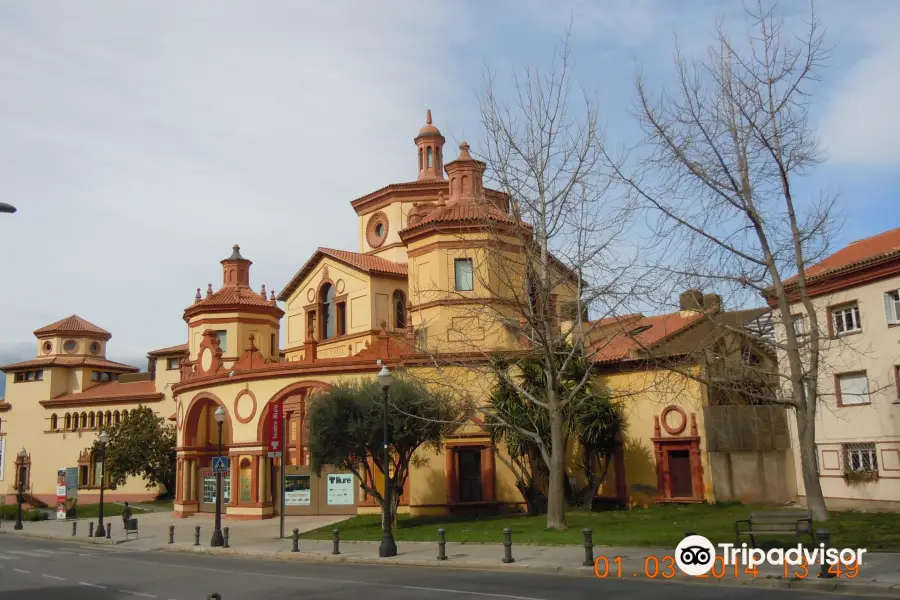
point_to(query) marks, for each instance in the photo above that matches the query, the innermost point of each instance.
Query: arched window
(93, 419)
(124, 414)
(54, 422)
(326, 298)
(399, 310)
(117, 417)
(108, 418)
(100, 419)
(420, 159)
(430, 156)
(68, 421)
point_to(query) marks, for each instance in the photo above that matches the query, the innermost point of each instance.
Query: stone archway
(195, 490)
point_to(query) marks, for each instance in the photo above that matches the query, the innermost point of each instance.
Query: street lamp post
(104, 437)
(7, 208)
(387, 547)
(21, 490)
(217, 539)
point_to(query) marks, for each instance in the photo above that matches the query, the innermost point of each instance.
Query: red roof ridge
(176, 349)
(73, 324)
(855, 254)
(367, 263)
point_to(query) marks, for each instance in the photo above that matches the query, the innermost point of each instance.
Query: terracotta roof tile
(74, 325)
(235, 295)
(373, 265)
(112, 391)
(179, 349)
(464, 212)
(859, 252)
(69, 361)
(619, 342)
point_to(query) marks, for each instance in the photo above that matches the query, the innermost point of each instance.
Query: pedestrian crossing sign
(220, 464)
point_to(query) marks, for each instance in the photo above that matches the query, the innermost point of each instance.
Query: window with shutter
(892, 307)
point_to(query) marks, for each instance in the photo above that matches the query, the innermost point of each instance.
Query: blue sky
(141, 139)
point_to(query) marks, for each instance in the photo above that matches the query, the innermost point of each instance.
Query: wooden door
(470, 475)
(681, 483)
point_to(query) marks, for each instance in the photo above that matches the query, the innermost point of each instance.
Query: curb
(47, 536)
(812, 585)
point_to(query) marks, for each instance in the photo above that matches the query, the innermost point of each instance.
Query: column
(489, 474)
(257, 480)
(450, 473)
(234, 469)
(187, 472)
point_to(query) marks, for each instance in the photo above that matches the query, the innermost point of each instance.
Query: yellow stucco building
(433, 253)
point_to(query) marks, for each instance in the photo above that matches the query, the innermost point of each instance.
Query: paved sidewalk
(878, 575)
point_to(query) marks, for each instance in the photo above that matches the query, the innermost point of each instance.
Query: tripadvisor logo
(695, 555)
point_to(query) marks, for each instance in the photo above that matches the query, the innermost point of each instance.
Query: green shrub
(9, 514)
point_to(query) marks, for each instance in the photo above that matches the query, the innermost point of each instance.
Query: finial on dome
(197, 298)
(428, 117)
(272, 296)
(209, 291)
(263, 292)
(464, 151)
(235, 253)
(440, 200)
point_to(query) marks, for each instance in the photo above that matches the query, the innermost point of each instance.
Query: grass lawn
(89, 511)
(662, 525)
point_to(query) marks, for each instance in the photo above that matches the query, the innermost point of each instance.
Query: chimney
(712, 302)
(691, 300)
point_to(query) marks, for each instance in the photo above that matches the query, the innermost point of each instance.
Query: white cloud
(861, 123)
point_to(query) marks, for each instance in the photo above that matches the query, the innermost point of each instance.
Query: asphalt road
(33, 569)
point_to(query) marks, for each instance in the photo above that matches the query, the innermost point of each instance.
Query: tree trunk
(556, 496)
(806, 432)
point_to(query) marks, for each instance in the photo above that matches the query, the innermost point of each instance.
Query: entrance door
(680, 474)
(469, 475)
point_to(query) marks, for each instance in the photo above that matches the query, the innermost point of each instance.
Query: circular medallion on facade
(70, 346)
(179, 415)
(680, 421)
(46, 347)
(206, 359)
(245, 406)
(95, 348)
(310, 294)
(377, 230)
(339, 286)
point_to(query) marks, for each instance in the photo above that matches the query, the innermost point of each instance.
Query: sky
(141, 139)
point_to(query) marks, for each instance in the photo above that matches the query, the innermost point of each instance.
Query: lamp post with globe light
(104, 437)
(388, 547)
(218, 540)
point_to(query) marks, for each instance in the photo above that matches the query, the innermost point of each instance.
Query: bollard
(588, 547)
(689, 533)
(197, 535)
(295, 541)
(824, 539)
(109, 531)
(91, 529)
(74, 527)
(507, 545)
(215, 596)
(336, 539)
(225, 537)
(171, 534)
(442, 544)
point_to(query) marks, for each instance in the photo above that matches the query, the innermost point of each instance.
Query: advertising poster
(340, 488)
(296, 490)
(61, 494)
(71, 492)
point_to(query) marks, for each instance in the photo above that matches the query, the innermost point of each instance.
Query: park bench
(131, 528)
(776, 522)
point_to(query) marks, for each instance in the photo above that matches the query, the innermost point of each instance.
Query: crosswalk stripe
(27, 553)
(5, 557)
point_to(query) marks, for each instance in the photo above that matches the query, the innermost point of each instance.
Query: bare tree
(725, 149)
(548, 252)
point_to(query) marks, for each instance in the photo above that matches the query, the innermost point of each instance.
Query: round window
(379, 230)
(95, 348)
(70, 346)
(47, 347)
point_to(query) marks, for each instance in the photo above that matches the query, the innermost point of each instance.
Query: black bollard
(215, 596)
(197, 535)
(74, 527)
(336, 540)
(109, 531)
(225, 537)
(824, 540)
(91, 529)
(442, 544)
(689, 533)
(171, 534)
(507, 545)
(588, 548)
(295, 541)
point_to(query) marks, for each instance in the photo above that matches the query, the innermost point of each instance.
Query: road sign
(274, 454)
(220, 464)
(275, 429)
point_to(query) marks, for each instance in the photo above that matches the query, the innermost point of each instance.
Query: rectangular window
(464, 274)
(897, 381)
(892, 307)
(342, 318)
(852, 389)
(421, 338)
(172, 364)
(209, 489)
(223, 339)
(272, 344)
(846, 320)
(860, 458)
(801, 326)
(310, 325)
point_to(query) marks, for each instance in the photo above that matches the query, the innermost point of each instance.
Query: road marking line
(137, 594)
(22, 571)
(94, 585)
(27, 553)
(4, 557)
(54, 577)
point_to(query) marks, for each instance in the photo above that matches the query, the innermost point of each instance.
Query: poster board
(61, 475)
(297, 490)
(71, 492)
(340, 489)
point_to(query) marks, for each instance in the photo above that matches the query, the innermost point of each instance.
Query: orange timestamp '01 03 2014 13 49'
(665, 567)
